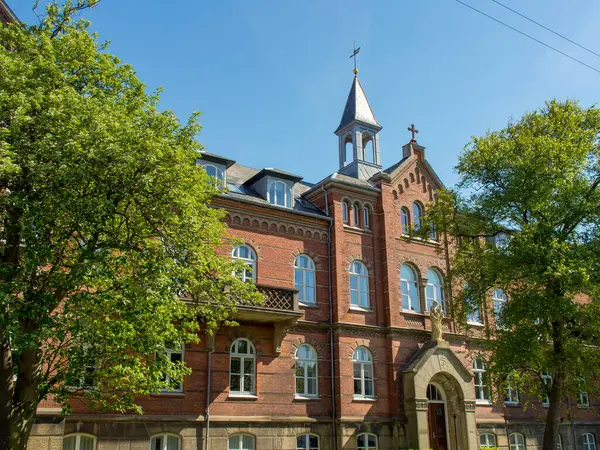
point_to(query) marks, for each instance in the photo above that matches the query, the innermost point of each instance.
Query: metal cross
(353, 55)
(413, 130)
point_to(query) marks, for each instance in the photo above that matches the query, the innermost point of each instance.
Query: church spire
(357, 108)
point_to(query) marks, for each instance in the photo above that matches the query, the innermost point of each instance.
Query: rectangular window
(482, 390)
(511, 397)
(547, 384)
(176, 357)
(583, 401)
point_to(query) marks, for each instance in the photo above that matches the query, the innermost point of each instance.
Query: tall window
(356, 215)
(487, 440)
(583, 400)
(405, 219)
(417, 216)
(432, 232)
(345, 213)
(474, 311)
(175, 355)
(246, 254)
(307, 442)
(164, 442)
(304, 279)
(359, 285)
(589, 441)
(511, 394)
(362, 363)
(280, 194)
(482, 390)
(434, 291)
(366, 441)
(242, 367)
(366, 217)
(409, 289)
(216, 173)
(559, 443)
(517, 441)
(499, 304)
(306, 371)
(79, 442)
(241, 442)
(546, 384)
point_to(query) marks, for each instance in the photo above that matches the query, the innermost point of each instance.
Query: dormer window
(216, 173)
(280, 193)
(216, 167)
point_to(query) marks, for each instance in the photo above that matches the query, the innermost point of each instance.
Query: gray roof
(357, 108)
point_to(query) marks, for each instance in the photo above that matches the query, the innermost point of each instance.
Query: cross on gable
(414, 131)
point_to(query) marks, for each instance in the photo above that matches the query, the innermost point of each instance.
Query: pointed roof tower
(357, 108)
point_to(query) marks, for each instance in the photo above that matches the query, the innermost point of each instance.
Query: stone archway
(436, 363)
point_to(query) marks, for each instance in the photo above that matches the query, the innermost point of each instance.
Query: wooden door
(437, 427)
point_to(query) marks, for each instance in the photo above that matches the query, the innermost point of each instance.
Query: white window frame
(345, 212)
(307, 445)
(499, 299)
(250, 262)
(360, 274)
(219, 174)
(250, 355)
(417, 212)
(169, 352)
(78, 437)
(482, 390)
(164, 437)
(559, 445)
(433, 236)
(405, 285)
(516, 445)
(583, 400)
(365, 367)
(436, 289)
(356, 215)
(511, 396)
(303, 363)
(366, 442)
(474, 317)
(589, 441)
(366, 217)
(405, 221)
(546, 378)
(240, 443)
(490, 440)
(273, 198)
(304, 287)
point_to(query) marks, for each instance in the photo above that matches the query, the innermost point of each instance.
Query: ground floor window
(79, 442)
(517, 441)
(241, 442)
(164, 442)
(589, 441)
(366, 441)
(487, 440)
(307, 442)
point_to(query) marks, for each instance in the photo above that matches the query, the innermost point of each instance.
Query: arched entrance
(442, 418)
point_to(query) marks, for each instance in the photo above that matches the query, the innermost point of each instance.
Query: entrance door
(437, 427)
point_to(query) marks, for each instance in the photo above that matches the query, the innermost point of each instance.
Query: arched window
(366, 441)
(216, 173)
(242, 368)
(409, 289)
(164, 441)
(434, 291)
(487, 440)
(345, 213)
(359, 285)
(366, 217)
(517, 441)
(280, 193)
(241, 442)
(307, 442)
(589, 441)
(405, 219)
(306, 371)
(246, 254)
(356, 215)
(559, 443)
(79, 441)
(362, 363)
(417, 216)
(482, 390)
(304, 279)
(499, 299)
(434, 394)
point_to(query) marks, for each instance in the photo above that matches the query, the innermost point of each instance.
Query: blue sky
(271, 77)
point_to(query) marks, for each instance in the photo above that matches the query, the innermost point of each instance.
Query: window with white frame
(306, 371)
(216, 173)
(583, 400)
(366, 441)
(409, 289)
(359, 285)
(241, 442)
(242, 367)
(546, 378)
(245, 254)
(511, 394)
(304, 279)
(499, 300)
(279, 193)
(473, 311)
(366, 217)
(175, 355)
(487, 440)
(79, 441)
(482, 389)
(589, 441)
(434, 291)
(307, 442)
(417, 216)
(405, 220)
(517, 441)
(362, 365)
(432, 232)
(345, 212)
(164, 442)
(559, 445)
(356, 215)
(434, 394)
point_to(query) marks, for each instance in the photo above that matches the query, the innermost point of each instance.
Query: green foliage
(106, 223)
(534, 182)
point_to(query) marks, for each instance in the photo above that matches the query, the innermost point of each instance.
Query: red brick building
(341, 354)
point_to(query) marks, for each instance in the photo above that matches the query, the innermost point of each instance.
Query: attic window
(280, 193)
(216, 173)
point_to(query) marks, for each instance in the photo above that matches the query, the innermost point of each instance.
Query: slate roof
(357, 108)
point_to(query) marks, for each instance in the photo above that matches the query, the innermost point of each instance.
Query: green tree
(108, 242)
(534, 186)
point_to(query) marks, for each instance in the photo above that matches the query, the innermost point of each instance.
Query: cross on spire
(353, 55)
(414, 131)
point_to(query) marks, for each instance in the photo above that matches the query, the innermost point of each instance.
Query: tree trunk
(556, 404)
(6, 393)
